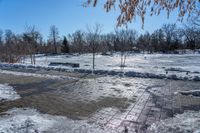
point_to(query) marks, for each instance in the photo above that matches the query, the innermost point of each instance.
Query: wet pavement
(110, 102)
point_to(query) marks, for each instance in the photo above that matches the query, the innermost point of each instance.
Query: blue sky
(67, 15)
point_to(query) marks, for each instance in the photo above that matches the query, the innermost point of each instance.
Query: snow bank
(31, 121)
(188, 122)
(7, 93)
(35, 75)
(99, 72)
(195, 93)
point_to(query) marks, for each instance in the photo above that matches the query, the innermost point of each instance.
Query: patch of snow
(195, 93)
(31, 121)
(188, 122)
(8, 93)
(35, 75)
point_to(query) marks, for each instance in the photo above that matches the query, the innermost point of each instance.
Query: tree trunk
(93, 62)
(34, 59)
(54, 43)
(31, 59)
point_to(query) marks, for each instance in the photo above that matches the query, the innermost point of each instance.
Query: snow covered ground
(28, 120)
(35, 75)
(7, 93)
(31, 121)
(188, 122)
(19, 120)
(182, 66)
(135, 62)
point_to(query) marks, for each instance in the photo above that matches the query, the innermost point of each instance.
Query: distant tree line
(167, 39)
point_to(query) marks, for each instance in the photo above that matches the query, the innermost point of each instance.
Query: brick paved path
(149, 108)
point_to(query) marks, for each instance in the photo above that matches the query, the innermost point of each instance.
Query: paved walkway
(149, 108)
(155, 99)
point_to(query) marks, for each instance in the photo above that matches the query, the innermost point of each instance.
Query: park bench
(64, 64)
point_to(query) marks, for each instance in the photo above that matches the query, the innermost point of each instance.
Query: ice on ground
(36, 75)
(31, 121)
(8, 93)
(188, 122)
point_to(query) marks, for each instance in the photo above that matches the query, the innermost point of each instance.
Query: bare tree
(78, 41)
(1, 45)
(158, 40)
(53, 37)
(16, 48)
(191, 37)
(32, 38)
(124, 41)
(8, 46)
(92, 38)
(107, 42)
(110, 38)
(169, 31)
(1, 37)
(144, 42)
(194, 17)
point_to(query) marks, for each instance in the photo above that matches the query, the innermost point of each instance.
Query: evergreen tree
(65, 46)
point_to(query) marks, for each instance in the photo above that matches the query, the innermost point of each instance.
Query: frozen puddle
(7, 93)
(188, 122)
(31, 121)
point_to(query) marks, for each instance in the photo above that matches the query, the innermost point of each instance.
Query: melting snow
(35, 75)
(188, 122)
(7, 93)
(171, 66)
(195, 93)
(31, 121)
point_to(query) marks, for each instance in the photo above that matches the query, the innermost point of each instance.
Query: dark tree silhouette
(65, 45)
(53, 37)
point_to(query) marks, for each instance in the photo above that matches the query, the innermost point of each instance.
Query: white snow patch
(188, 122)
(31, 121)
(195, 93)
(8, 93)
(35, 75)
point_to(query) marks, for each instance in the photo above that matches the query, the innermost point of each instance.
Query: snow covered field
(160, 65)
(134, 62)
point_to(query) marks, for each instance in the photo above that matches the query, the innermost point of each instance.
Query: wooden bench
(64, 64)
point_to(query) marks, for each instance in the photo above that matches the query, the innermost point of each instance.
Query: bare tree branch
(129, 9)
